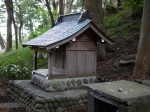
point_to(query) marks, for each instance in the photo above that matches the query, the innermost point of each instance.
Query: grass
(122, 25)
(22, 57)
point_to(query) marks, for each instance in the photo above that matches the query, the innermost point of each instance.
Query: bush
(134, 5)
(112, 21)
(13, 72)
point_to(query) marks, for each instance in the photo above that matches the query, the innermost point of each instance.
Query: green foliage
(13, 72)
(112, 21)
(122, 25)
(40, 30)
(19, 64)
(134, 5)
(22, 58)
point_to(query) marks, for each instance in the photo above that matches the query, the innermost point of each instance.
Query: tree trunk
(94, 7)
(118, 3)
(9, 6)
(54, 5)
(16, 32)
(142, 65)
(61, 7)
(20, 28)
(69, 6)
(50, 12)
(2, 43)
(20, 17)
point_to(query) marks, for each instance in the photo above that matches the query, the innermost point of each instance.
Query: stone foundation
(58, 95)
(61, 84)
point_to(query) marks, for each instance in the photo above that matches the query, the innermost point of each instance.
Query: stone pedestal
(118, 96)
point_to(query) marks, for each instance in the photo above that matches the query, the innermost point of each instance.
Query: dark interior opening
(101, 106)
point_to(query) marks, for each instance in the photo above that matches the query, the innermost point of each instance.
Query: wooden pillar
(35, 61)
(49, 64)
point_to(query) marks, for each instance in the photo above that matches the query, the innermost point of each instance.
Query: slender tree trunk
(20, 29)
(83, 2)
(9, 6)
(118, 3)
(54, 5)
(94, 7)
(50, 12)
(69, 6)
(142, 66)
(16, 32)
(2, 43)
(20, 17)
(61, 7)
(31, 25)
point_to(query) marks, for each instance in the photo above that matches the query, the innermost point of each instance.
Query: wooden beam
(35, 61)
(49, 64)
(101, 35)
(39, 49)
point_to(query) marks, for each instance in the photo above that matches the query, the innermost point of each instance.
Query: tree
(9, 6)
(50, 12)
(142, 65)
(94, 7)
(69, 6)
(61, 7)
(2, 42)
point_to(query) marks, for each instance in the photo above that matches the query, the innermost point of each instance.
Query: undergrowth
(122, 25)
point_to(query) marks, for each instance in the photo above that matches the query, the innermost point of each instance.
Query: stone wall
(62, 84)
(38, 102)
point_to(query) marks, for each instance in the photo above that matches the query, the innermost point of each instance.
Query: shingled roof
(65, 29)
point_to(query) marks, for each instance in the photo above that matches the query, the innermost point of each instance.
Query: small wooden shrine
(71, 46)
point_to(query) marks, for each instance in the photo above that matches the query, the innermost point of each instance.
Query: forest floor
(111, 69)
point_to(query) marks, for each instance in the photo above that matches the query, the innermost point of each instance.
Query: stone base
(62, 84)
(34, 99)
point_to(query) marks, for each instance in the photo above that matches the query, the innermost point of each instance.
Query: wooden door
(81, 63)
(81, 57)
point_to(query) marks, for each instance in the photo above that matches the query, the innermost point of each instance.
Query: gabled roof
(67, 27)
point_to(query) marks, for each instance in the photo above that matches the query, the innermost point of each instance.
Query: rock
(85, 81)
(79, 82)
(63, 85)
(55, 105)
(55, 86)
(146, 82)
(91, 80)
(73, 82)
(39, 106)
(59, 109)
(39, 100)
(68, 83)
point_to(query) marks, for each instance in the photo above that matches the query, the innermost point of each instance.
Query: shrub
(13, 72)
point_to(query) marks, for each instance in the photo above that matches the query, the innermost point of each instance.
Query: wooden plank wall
(81, 57)
(58, 58)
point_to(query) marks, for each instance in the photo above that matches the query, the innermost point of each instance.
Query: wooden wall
(57, 58)
(81, 57)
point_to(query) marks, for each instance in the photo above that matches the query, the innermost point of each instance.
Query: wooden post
(49, 64)
(35, 61)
